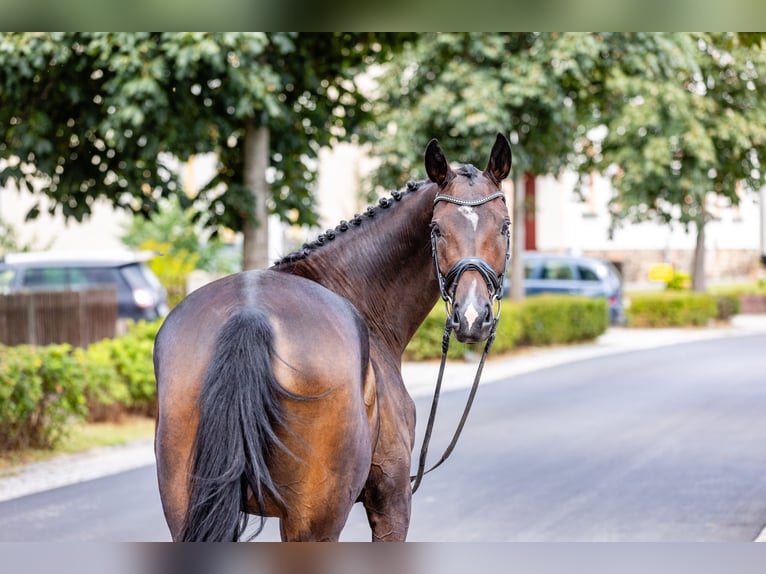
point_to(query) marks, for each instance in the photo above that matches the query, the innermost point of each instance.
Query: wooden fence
(45, 317)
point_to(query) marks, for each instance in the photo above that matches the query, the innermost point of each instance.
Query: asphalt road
(657, 445)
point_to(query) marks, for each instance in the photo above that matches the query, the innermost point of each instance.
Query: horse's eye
(506, 227)
(435, 230)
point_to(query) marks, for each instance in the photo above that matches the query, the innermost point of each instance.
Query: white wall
(566, 223)
(100, 232)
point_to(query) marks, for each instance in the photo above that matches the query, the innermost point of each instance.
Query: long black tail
(239, 410)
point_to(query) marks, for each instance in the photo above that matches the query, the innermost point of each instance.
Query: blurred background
(135, 167)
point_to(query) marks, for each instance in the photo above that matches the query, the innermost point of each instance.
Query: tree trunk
(698, 265)
(517, 245)
(255, 234)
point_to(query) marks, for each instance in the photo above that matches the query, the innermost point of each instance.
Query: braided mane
(356, 221)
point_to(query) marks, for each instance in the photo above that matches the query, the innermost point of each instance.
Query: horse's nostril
(455, 317)
(487, 319)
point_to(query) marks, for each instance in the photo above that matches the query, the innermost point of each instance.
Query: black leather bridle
(447, 286)
(448, 283)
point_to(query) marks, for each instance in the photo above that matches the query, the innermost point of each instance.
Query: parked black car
(139, 293)
(564, 274)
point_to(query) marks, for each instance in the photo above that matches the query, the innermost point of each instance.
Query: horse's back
(319, 353)
(316, 331)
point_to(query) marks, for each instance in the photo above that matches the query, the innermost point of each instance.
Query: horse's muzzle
(472, 322)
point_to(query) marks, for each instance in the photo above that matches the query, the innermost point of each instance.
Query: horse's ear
(437, 168)
(499, 165)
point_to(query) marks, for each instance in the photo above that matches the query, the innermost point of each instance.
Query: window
(557, 270)
(6, 280)
(587, 274)
(46, 278)
(529, 269)
(78, 277)
(101, 275)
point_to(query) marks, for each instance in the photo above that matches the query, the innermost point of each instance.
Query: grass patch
(81, 437)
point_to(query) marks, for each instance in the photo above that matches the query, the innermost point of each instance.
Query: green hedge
(559, 319)
(673, 309)
(728, 305)
(543, 320)
(44, 389)
(40, 392)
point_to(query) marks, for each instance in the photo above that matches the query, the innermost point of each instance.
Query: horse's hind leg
(387, 495)
(325, 528)
(320, 500)
(387, 499)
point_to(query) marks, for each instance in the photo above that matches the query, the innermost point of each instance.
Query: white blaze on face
(471, 314)
(470, 215)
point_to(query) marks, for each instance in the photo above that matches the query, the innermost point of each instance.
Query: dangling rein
(495, 285)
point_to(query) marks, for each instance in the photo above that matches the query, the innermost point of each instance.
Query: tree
(89, 115)
(685, 120)
(466, 87)
(679, 114)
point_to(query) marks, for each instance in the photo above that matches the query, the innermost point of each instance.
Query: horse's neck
(384, 268)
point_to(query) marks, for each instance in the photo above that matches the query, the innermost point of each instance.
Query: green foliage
(682, 131)
(679, 281)
(172, 267)
(40, 394)
(543, 320)
(756, 288)
(175, 229)
(44, 390)
(131, 355)
(671, 309)
(728, 306)
(464, 88)
(559, 319)
(89, 115)
(107, 394)
(118, 374)
(673, 117)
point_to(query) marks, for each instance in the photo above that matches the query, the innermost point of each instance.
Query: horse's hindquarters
(208, 359)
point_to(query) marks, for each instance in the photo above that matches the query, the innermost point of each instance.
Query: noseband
(448, 285)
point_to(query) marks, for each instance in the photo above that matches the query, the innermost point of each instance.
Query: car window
(150, 277)
(101, 275)
(587, 274)
(134, 275)
(6, 279)
(77, 277)
(556, 270)
(46, 278)
(529, 269)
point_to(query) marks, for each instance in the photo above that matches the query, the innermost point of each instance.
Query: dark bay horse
(280, 390)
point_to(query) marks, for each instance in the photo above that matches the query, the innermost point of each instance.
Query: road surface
(657, 445)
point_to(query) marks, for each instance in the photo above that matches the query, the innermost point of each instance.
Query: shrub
(172, 268)
(41, 392)
(131, 359)
(107, 394)
(728, 306)
(679, 281)
(44, 389)
(671, 309)
(557, 319)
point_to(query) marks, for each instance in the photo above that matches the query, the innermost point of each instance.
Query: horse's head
(470, 233)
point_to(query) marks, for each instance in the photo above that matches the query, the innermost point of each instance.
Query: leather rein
(447, 287)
